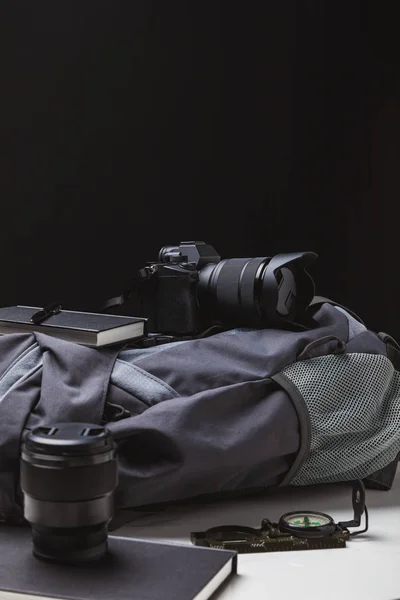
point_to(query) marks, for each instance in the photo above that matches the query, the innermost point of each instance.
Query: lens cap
(68, 439)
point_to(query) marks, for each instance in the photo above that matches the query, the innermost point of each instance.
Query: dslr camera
(190, 289)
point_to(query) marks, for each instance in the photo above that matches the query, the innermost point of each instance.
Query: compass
(297, 530)
(307, 524)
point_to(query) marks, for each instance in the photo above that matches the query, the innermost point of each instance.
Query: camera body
(189, 289)
(169, 291)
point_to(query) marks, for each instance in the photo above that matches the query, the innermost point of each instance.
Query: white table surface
(368, 568)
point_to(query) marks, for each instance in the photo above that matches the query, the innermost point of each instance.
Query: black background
(259, 127)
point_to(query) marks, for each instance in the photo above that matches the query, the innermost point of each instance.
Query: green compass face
(307, 520)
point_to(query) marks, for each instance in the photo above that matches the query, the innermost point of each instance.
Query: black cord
(354, 533)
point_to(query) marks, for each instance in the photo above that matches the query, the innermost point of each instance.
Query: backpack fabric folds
(243, 409)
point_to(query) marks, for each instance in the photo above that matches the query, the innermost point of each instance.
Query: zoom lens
(68, 476)
(252, 291)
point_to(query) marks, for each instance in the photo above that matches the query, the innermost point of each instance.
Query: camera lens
(228, 290)
(68, 476)
(250, 291)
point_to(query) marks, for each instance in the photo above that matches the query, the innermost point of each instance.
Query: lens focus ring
(69, 484)
(68, 514)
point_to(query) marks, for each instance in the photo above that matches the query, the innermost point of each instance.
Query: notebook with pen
(90, 329)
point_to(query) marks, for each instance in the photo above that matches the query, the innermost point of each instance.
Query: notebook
(89, 329)
(133, 569)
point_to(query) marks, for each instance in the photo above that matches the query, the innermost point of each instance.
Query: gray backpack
(238, 411)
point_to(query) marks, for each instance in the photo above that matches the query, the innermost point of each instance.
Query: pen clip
(45, 313)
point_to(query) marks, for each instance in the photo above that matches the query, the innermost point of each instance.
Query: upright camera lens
(68, 476)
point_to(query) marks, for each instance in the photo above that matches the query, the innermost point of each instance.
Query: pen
(45, 313)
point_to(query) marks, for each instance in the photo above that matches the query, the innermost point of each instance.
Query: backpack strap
(318, 300)
(392, 349)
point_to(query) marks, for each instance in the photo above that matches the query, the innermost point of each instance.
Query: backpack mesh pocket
(353, 401)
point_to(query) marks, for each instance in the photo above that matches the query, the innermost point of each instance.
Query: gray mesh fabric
(353, 401)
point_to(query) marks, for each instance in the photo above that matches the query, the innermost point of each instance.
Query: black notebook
(133, 570)
(89, 329)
